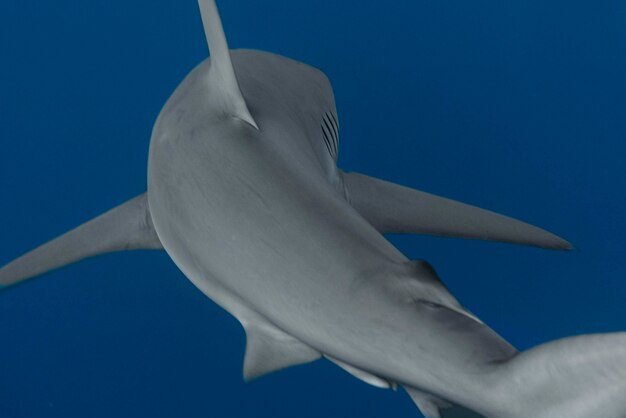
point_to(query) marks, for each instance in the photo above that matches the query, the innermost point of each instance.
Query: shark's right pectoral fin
(126, 227)
(392, 208)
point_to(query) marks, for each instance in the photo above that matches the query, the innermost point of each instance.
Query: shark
(245, 196)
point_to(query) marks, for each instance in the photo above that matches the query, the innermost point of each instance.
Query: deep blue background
(518, 106)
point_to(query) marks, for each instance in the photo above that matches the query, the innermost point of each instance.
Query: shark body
(245, 196)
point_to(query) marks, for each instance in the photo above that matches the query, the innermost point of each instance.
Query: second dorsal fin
(434, 407)
(269, 349)
(223, 79)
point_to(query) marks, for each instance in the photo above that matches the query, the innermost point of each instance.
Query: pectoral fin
(392, 208)
(126, 227)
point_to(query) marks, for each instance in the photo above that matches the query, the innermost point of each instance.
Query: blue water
(518, 106)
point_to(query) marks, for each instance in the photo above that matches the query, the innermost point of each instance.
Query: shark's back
(260, 211)
(293, 102)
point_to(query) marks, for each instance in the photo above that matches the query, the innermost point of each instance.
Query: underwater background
(517, 106)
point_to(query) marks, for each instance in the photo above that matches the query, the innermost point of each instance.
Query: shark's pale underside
(245, 196)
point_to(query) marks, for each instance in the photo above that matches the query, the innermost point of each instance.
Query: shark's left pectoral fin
(392, 208)
(126, 227)
(268, 349)
(222, 73)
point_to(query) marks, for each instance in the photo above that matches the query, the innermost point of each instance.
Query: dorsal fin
(222, 73)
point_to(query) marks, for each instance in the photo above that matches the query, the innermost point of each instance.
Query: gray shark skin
(245, 196)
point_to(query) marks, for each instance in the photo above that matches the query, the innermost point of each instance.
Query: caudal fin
(577, 377)
(126, 227)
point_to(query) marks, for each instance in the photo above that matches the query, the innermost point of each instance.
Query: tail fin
(126, 227)
(575, 377)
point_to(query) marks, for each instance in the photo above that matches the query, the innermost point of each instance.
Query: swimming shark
(244, 194)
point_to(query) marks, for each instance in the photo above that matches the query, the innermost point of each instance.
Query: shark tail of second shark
(125, 227)
(575, 377)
